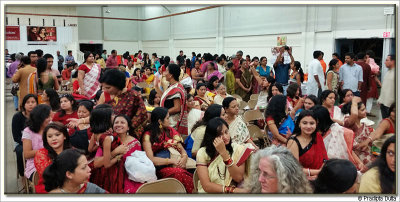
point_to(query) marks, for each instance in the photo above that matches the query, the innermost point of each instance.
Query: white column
(220, 33)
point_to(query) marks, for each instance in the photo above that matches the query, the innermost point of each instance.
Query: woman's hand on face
(219, 145)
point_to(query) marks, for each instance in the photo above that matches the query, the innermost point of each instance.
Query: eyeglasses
(265, 175)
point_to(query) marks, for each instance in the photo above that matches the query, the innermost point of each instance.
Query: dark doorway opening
(94, 48)
(342, 46)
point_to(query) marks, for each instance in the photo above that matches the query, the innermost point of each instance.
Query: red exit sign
(386, 34)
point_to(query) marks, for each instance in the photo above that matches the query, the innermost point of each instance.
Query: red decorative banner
(42, 33)
(12, 33)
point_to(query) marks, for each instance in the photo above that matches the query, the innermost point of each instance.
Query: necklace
(221, 175)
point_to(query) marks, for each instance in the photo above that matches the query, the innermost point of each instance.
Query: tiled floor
(10, 159)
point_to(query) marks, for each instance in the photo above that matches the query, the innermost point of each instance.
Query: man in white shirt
(316, 79)
(387, 96)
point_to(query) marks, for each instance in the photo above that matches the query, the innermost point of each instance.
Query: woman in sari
(237, 128)
(356, 110)
(157, 140)
(202, 97)
(196, 73)
(212, 84)
(79, 139)
(338, 140)
(307, 144)
(212, 70)
(221, 94)
(385, 129)
(174, 99)
(69, 173)
(243, 79)
(88, 76)
(328, 101)
(108, 170)
(130, 144)
(293, 95)
(221, 164)
(148, 78)
(55, 140)
(280, 125)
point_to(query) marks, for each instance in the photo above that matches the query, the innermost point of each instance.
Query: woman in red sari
(130, 144)
(69, 109)
(55, 140)
(159, 136)
(88, 76)
(109, 170)
(69, 173)
(307, 144)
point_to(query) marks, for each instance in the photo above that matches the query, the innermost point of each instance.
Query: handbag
(14, 89)
(140, 168)
(174, 154)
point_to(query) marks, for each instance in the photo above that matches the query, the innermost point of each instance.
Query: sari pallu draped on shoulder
(178, 121)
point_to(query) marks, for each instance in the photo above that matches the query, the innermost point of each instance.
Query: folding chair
(195, 182)
(254, 97)
(163, 186)
(252, 115)
(252, 104)
(257, 135)
(238, 98)
(28, 184)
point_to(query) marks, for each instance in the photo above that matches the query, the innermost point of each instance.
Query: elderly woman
(88, 76)
(275, 170)
(221, 94)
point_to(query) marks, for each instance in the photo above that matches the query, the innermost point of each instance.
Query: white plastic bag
(140, 168)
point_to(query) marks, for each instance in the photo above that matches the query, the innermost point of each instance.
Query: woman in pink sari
(88, 76)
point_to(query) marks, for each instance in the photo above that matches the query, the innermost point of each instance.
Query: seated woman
(237, 127)
(159, 136)
(269, 173)
(274, 89)
(280, 125)
(137, 76)
(221, 94)
(338, 140)
(50, 97)
(69, 173)
(381, 178)
(385, 129)
(356, 110)
(337, 176)
(82, 133)
(18, 124)
(293, 95)
(328, 101)
(32, 141)
(346, 95)
(109, 170)
(194, 112)
(262, 101)
(55, 140)
(69, 109)
(202, 97)
(307, 144)
(212, 85)
(220, 163)
(154, 98)
(199, 128)
(122, 127)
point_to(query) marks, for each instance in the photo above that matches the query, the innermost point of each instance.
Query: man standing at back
(316, 78)
(112, 61)
(387, 96)
(33, 57)
(60, 61)
(351, 75)
(366, 70)
(180, 59)
(69, 58)
(282, 69)
(22, 76)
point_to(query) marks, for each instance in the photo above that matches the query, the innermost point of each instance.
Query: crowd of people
(121, 123)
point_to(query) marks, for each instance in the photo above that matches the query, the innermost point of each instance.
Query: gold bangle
(167, 161)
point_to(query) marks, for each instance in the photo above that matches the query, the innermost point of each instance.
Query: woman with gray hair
(275, 170)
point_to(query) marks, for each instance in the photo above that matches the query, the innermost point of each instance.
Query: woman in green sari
(243, 79)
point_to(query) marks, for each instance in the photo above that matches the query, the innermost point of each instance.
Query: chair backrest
(195, 181)
(255, 132)
(252, 104)
(35, 178)
(254, 97)
(242, 105)
(252, 115)
(238, 98)
(163, 186)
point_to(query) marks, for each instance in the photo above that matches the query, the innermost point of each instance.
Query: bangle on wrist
(369, 137)
(309, 173)
(167, 160)
(223, 189)
(230, 165)
(228, 162)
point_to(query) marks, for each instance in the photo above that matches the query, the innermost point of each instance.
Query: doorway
(342, 46)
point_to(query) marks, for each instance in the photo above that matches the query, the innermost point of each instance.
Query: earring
(160, 126)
